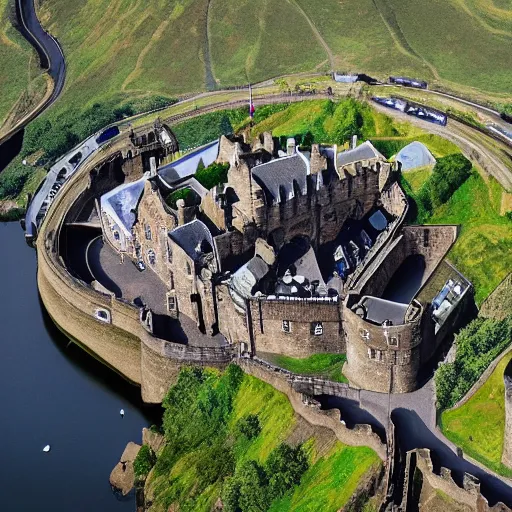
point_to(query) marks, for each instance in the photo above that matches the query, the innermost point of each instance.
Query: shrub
(449, 173)
(217, 462)
(213, 175)
(144, 461)
(186, 194)
(285, 467)
(249, 426)
(478, 345)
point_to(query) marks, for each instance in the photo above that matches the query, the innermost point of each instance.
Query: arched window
(103, 315)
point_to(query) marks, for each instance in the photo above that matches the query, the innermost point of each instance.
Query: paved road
(50, 55)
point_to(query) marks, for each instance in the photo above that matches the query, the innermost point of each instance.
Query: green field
(478, 425)
(483, 251)
(334, 473)
(322, 365)
(20, 76)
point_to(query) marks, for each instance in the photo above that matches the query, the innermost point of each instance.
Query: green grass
(330, 482)
(333, 476)
(417, 177)
(478, 425)
(20, 77)
(483, 251)
(322, 365)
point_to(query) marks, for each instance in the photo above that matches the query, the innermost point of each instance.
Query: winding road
(50, 55)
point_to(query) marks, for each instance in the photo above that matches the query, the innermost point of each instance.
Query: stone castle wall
(267, 326)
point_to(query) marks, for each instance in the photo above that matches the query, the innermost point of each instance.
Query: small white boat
(121, 412)
(47, 448)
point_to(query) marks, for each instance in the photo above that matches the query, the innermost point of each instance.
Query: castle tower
(507, 435)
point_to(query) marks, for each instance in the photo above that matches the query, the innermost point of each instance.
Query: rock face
(123, 476)
(153, 439)
(507, 435)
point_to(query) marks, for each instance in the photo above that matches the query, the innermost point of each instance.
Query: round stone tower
(507, 435)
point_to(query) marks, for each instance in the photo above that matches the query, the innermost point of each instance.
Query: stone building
(296, 254)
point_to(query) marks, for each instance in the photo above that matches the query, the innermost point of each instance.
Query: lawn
(478, 425)
(323, 365)
(483, 251)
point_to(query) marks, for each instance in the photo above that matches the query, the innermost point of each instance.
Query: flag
(251, 104)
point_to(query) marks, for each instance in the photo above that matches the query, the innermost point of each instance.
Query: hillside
(233, 436)
(21, 80)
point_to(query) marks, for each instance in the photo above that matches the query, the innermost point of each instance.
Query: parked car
(140, 265)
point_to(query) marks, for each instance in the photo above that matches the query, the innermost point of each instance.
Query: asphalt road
(50, 55)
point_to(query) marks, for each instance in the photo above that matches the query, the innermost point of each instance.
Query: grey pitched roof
(120, 203)
(190, 236)
(415, 155)
(187, 165)
(365, 151)
(378, 310)
(247, 276)
(280, 174)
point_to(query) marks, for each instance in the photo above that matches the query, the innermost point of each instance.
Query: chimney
(290, 146)
(180, 205)
(354, 142)
(152, 166)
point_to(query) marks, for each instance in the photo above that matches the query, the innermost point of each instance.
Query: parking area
(123, 279)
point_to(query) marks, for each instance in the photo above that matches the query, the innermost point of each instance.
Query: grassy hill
(478, 425)
(209, 454)
(21, 80)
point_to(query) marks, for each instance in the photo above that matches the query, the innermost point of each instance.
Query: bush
(213, 175)
(186, 194)
(144, 461)
(477, 346)
(217, 462)
(249, 426)
(285, 467)
(449, 173)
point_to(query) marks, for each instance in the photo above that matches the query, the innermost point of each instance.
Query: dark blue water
(52, 392)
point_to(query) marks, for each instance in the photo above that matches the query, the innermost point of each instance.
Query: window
(171, 303)
(287, 326)
(103, 315)
(189, 269)
(151, 257)
(147, 231)
(372, 353)
(393, 341)
(169, 252)
(364, 334)
(425, 237)
(406, 357)
(116, 235)
(317, 328)
(393, 357)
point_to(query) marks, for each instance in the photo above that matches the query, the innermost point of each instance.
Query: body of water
(52, 392)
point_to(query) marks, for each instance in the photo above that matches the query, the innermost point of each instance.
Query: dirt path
(210, 81)
(321, 40)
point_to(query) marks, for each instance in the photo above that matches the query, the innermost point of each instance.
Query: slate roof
(119, 203)
(281, 173)
(187, 165)
(364, 151)
(190, 236)
(247, 276)
(378, 310)
(415, 155)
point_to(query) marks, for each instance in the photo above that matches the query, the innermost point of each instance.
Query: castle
(297, 252)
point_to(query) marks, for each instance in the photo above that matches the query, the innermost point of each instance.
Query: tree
(249, 426)
(284, 467)
(449, 173)
(144, 461)
(253, 487)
